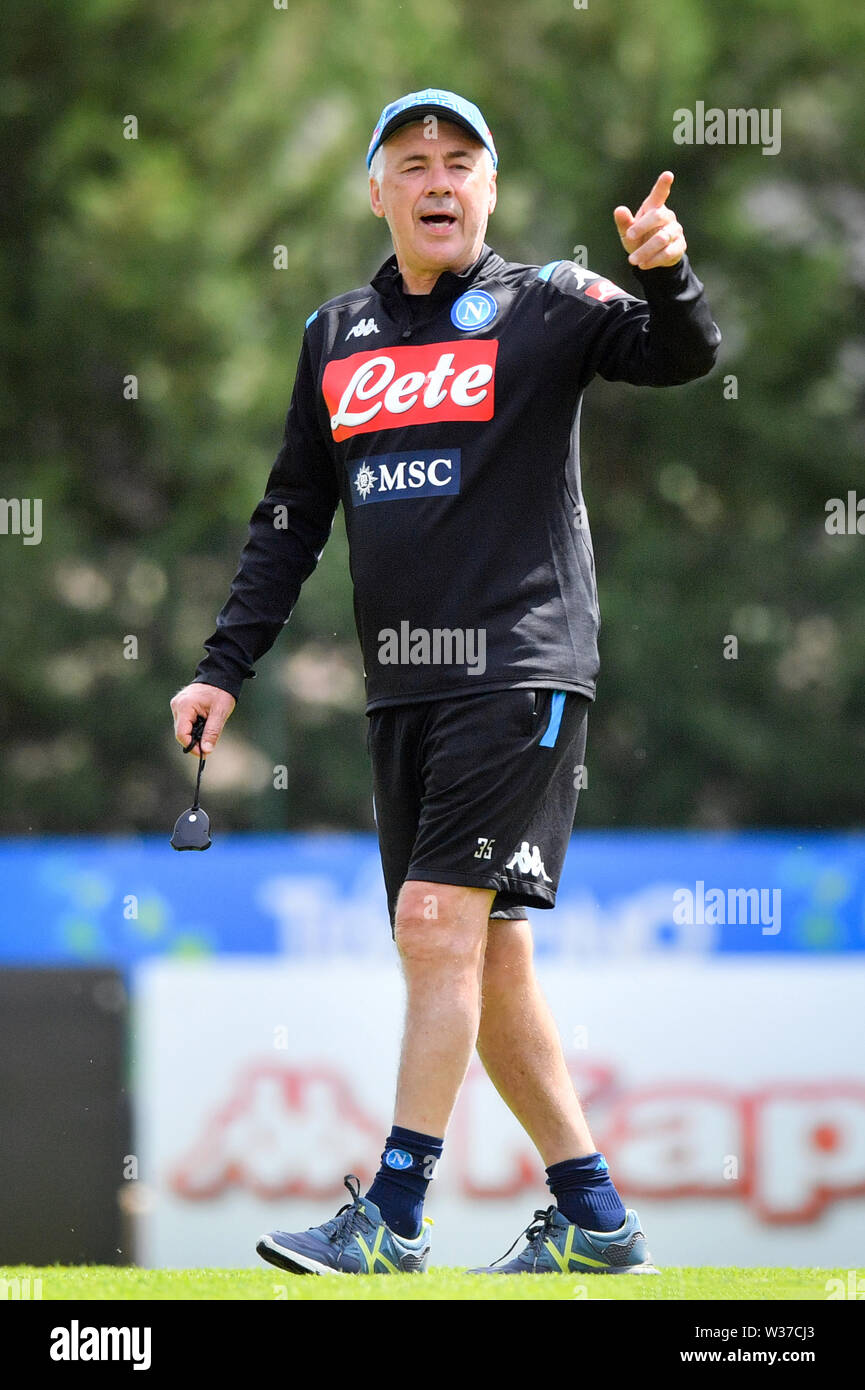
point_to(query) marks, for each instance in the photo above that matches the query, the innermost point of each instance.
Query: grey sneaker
(555, 1246)
(355, 1241)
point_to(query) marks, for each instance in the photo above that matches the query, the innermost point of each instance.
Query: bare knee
(441, 922)
(508, 955)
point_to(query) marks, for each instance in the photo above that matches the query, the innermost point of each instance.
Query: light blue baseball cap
(432, 101)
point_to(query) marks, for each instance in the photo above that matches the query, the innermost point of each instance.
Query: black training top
(448, 426)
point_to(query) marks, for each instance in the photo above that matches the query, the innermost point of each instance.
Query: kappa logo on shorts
(528, 861)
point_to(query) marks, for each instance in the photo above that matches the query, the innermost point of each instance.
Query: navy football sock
(400, 1184)
(585, 1194)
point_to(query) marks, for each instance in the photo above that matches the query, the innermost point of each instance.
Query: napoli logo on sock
(398, 1158)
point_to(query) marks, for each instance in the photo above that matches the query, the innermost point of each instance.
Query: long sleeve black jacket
(447, 425)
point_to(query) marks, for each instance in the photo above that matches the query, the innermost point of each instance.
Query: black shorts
(479, 791)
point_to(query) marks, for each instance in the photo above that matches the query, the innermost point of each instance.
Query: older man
(439, 404)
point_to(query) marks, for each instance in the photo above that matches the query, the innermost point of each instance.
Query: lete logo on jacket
(393, 387)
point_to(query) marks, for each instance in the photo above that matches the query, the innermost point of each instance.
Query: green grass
(726, 1284)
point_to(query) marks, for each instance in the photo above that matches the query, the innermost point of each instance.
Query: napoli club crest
(474, 309)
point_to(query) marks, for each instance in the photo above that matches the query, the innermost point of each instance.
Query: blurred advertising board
(727, 1093)
(114, 902)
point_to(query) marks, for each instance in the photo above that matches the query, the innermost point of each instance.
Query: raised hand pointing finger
(659, 194)
(653, 237)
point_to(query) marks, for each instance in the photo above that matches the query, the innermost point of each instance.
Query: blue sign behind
(110, 900)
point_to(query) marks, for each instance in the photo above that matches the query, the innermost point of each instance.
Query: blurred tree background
(153, 257)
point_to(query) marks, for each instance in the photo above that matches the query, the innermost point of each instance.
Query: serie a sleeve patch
(577, 279)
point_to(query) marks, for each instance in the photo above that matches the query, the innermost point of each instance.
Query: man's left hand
(652, 237)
